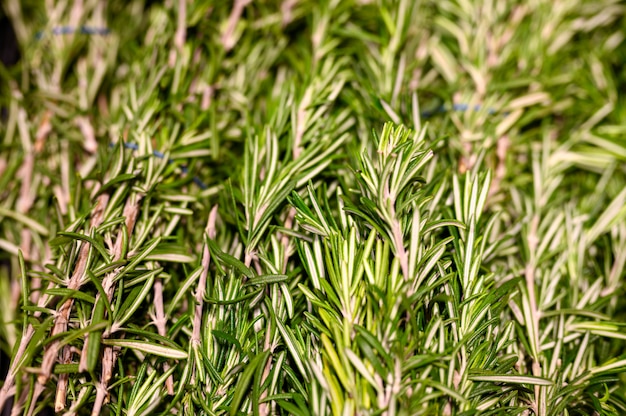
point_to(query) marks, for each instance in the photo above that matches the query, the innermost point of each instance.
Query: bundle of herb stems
(359, 207)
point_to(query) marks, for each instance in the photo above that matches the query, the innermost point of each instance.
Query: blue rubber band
(84, 30)
(87, 30)
(160, 155)
(456, 107)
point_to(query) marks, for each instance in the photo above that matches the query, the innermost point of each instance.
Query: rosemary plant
(387, 207)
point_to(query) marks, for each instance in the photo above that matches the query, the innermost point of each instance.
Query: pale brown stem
(131, 212)
(90, 144)
(33, 403)
(201, 289)
(18, 406)
(207, 94)
(181, 33)
(228, 39)
(286, 8)
(108, 360)
(181, 29)
(61, 394)
(534, 310)
(26, 198)
(8, 388)
(301, 124)
(51, 353)
(396, 230)
(284, 240)
(159, 322)
(264, 408)
(398, 242)
(77, 12)
(76, 280)
(44, 130)
(502, 148)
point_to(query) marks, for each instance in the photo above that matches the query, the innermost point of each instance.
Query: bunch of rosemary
(239, 207)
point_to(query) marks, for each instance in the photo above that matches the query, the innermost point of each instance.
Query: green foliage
(239, 208)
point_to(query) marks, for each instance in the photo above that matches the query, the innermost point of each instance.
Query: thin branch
(131, 211)
(201, 289)
(228, 38)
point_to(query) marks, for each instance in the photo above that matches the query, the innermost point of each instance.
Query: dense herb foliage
(385, 207)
